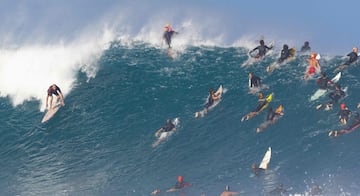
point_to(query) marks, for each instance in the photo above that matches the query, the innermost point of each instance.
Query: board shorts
(311, 70)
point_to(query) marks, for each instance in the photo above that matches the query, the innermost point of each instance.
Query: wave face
(100, 142)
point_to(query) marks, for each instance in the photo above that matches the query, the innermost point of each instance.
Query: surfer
(168, 33)
(54, 90)
(255, 169)
(355, 124)
(323, 81)
(344, 114)
(262, 49)
(315, 190)
(353, 57)
(227, 192)
(314, 65)
(285, 54)
(335, 96)
(262, 102)
(180, 184)
(255, 81)
(306, 47)
(213, 96)
(169, 126)
(272, 114)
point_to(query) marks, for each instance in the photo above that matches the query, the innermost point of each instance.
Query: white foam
(27, 71)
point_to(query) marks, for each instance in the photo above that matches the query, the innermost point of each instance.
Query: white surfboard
(50, 113)
(266, 160)
(320, 92)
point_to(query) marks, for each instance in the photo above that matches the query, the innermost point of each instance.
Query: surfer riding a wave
(54, 90)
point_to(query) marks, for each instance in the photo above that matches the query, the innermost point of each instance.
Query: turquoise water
(100, 142)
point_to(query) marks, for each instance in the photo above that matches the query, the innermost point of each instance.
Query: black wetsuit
(169, 126)
(261, 103)
(344, 114)
(353, 57)
(336, 95)
(51, 91)
(210, 101)
(262, 50)
(285, 53)
(305, 48)
(180, 185)
(323, 82)
(167, 36)
(255, 81)
(270, 115)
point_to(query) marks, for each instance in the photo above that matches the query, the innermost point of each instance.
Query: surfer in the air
(255, 81)
(314, 66)
(227, 192)
(335, 96)
(353, 57)
(54, 90)
(355, 124)
(323, 81)
(262, 49)
(168, 33)
(344, 114)
(306, 47)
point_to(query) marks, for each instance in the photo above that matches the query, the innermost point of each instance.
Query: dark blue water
(100, 142)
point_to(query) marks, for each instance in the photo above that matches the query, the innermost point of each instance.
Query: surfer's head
(313, 55)
(261, 96)
(251, 74)
(342, 106)
(180, 178)
(306, 43)
(262, 42)
(355, 49)
(285, 46)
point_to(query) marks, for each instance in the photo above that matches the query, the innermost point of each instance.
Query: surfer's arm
(159, 131)
(47, 98)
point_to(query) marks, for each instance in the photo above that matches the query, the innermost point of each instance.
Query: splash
(27, 71)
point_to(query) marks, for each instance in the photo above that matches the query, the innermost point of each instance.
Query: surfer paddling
(54, 90)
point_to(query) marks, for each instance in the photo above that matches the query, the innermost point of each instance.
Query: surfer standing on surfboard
(54, 90)
(168, 33)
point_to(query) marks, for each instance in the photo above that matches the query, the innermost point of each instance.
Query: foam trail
(28, 71)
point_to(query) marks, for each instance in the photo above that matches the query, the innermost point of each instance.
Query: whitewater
(120, 87)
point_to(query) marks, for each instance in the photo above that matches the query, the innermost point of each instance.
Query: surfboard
(50, 113)
(203, 112)
(266, 159)
(320, 92)
(253, 114)
(164, 135)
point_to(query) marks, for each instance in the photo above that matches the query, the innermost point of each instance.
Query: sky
(330, 26)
